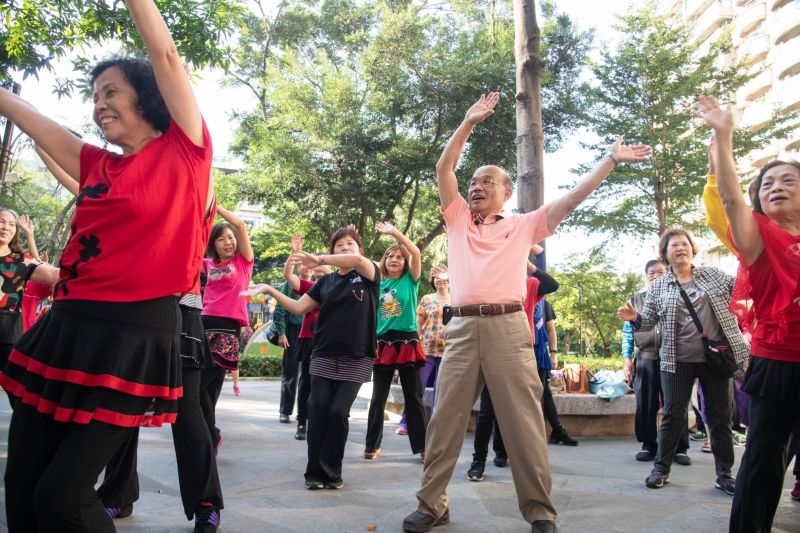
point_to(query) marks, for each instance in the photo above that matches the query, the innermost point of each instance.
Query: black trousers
(328, 425)
(761, 473)
(304, 380)
(289, 367)
(121, 481)
(718, 394)
(548, 404)
(197, 465)
(5, 351)
(51, 471)
(484, 425)
(416, 417)
(211, 381)
(647, 389)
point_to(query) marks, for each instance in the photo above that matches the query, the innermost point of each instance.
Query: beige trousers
(497, 351)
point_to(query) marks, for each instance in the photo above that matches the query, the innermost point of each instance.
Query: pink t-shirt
(224, 283)
(486, 262)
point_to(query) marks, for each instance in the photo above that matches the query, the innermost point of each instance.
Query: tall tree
(645, 90)
(356, 101)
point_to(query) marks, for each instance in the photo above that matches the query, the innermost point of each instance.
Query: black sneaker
(283, 419)
(683, 459)
(475, 472)
(334, 484)
(315, 484)
(500, 461)
(656, 479)
(560, 435)
(645, 455)
(119, 512)
(206, 519)
(300, 434)
(726, 484)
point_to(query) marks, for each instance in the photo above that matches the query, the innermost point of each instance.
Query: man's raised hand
(482, 109)
(627, 153)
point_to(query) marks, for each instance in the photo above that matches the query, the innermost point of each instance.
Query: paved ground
(596, 486)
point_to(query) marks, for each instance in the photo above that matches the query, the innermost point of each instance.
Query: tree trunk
(567, 341)
(530, 137)
(5, 148)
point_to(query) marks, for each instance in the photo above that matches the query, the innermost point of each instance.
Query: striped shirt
(342, 368)
(661, 302)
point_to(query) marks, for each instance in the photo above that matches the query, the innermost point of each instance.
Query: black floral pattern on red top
(15, 272)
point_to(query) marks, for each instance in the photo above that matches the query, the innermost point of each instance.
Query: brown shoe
(543, 526)
(418, 522)
(372, 455)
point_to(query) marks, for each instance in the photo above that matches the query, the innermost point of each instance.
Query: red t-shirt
(531, 299)
(310, 318)
(34, 293)
(760, 277)
(137, 232)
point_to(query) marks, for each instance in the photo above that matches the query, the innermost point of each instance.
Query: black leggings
(51, 471)
(484, 424)
(212, 378)
(328, 425)
(416, 418)
(304, 380)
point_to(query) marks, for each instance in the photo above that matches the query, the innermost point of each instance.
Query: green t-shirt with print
(397, 304)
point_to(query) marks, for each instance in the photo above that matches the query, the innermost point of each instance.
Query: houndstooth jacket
(661, 301)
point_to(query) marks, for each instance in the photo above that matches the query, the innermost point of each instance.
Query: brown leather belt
(486, 309)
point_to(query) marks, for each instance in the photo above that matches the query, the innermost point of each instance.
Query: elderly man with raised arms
(488, 339)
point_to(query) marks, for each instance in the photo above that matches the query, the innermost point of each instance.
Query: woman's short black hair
(139, 73)
(755, 187)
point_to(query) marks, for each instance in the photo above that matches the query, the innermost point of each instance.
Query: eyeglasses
(484, 182)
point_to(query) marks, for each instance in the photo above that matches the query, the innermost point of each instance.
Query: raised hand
(627, 312)
(305, 259)
(385, 228)
(436, 271)
(719, 119)
(26, 224)
(633, 152)
(482, 109)
(297, 243)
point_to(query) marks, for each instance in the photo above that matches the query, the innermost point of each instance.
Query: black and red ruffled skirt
(398, 348)
(112, 362)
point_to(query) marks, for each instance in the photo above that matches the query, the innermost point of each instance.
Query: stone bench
(583, 415)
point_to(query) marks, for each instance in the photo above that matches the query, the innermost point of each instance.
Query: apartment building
(767, 33)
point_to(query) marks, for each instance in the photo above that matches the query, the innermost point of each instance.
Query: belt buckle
(480, 309)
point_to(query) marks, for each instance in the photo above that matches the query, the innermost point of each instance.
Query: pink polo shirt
(486, 262)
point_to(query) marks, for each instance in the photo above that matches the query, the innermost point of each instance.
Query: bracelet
(614, 159)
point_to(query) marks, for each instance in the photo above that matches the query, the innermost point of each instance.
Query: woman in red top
(105, 359)
(767, 238)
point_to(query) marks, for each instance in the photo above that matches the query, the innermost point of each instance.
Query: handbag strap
(690, 308)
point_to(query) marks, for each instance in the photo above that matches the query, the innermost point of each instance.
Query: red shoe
(796, 491)
(236, 390)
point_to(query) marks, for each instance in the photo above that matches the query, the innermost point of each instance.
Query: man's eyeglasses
(484, 182)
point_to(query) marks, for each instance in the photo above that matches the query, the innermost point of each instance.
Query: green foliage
(590, 292)
(35, 33)
(356, 101)
(592, 363)
(645, 91)
(259, 365)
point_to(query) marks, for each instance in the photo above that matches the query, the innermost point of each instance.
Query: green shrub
(592, 363)
(257, 365)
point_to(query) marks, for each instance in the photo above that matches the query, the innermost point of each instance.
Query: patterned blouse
(432, 334)
(661, 302)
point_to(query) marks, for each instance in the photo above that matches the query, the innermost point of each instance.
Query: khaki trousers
(497, 351)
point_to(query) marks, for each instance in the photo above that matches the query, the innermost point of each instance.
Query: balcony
(755, 47)
(785, 24)
(695, 7)
(712, 18)
(759, 158)
(757, 87)
(774, 5)
(787, 61)
(792, 144)
(750, 18)
(788, 94)
(756, 114)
